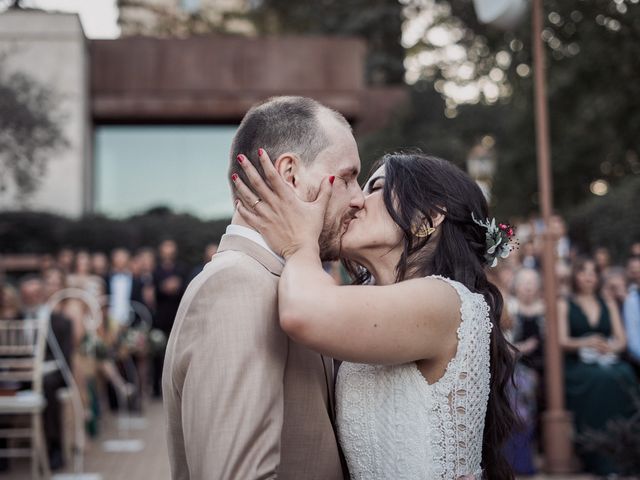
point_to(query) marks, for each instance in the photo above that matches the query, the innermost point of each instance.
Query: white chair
(22, 350)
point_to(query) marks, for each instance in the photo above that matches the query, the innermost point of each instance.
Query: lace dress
(393, 424)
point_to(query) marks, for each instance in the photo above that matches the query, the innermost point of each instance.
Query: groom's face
(342, 160)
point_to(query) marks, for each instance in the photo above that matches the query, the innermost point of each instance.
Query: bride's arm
(403, 322)
(407, 321)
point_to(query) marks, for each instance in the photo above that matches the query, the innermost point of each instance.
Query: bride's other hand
(287, 222)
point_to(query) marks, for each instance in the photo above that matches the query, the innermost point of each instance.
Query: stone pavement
(151, 463)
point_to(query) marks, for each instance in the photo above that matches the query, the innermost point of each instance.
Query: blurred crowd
(598, 306)
(111, 316)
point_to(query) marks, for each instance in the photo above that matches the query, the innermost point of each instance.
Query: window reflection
(183, 167)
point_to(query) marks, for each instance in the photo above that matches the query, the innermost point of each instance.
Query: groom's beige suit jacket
(243, 401)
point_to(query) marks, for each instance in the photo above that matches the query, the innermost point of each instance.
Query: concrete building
(53, 50)
(150, 120)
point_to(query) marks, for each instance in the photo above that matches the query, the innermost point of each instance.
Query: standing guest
(614, 288)
(32, 295)
(529, 258)
(65, 259)
(82, 278)
(558, 228)
(99, 264)
(602, 257)
(598, 384)
(46, 261)
(527, 336)
(169, 279)
(146, 264)
(209, 251)
(122, 288)
(631, 308)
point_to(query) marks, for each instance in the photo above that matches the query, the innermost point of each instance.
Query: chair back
(22, 351)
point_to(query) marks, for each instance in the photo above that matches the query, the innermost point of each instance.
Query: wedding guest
(81, 276)
(122, 288)
(169, 278)
(209, 251)
(146, 264)
(32, 295)
(602, 257)
(9, 303)
(527, 336)
(529, 258)
(615, 288)
(631, 308)
(65, 259)
(635, 249)
(598, 383)
(99, 264)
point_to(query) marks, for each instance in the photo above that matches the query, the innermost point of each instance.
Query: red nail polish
(234, 177)
(240, 159)
(332, 179)
(260, 152)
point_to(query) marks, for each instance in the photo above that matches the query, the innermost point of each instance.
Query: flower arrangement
(498, 239)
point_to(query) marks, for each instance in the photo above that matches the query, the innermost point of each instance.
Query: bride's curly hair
(417, 187)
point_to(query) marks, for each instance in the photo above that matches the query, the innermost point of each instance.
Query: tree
(30, 131)
(594, 95)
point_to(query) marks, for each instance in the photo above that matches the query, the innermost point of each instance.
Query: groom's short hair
(280, 125)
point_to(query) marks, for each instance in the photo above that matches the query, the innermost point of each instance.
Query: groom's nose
(357, 199)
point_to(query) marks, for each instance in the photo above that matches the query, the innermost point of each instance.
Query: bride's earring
(424, 231)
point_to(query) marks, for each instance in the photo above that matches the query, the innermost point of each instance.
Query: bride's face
(372, 234)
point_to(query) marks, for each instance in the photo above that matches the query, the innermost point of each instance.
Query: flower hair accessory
(498, 239)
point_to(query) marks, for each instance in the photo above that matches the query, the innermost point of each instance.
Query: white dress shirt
(252, 235)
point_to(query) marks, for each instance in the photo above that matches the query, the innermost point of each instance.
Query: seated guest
(598, 384)
(32, 295)
(632, 308)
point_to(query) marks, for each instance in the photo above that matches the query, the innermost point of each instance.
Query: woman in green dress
(598, 384)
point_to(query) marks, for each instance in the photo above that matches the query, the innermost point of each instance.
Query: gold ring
(256, 203)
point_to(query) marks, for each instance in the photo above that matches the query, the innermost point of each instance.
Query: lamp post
(557, 422)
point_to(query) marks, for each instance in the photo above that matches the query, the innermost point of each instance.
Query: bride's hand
(287, 222)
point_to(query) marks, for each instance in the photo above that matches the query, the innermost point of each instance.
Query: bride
(421, 392)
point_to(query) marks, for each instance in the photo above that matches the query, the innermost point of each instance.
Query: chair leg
(42, 448)
(35, 447)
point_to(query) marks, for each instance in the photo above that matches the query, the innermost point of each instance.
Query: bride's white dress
(392, 424)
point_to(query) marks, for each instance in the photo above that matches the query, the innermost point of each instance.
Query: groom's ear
(288, 167)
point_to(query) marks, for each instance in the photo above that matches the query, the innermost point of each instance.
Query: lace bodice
(393, 424)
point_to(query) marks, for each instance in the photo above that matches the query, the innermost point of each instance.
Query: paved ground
(151, 462)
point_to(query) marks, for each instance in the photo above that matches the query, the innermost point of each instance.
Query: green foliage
(594, 99)
(30, 131)
(612, 221)
(34, 232)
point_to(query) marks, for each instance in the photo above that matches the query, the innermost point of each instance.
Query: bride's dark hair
(417, 187)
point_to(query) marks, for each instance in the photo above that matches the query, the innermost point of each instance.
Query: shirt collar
(254, 236)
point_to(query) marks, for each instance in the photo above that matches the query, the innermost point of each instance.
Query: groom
(242, 400)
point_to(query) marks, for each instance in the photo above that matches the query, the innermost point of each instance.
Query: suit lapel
(255, 251)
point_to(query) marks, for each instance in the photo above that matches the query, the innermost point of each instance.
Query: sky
(99, 17)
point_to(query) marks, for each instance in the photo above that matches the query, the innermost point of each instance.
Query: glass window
(183, 167)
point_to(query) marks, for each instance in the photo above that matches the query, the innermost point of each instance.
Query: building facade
(150, 120)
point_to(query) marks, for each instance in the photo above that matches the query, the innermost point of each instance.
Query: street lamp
(557, 422)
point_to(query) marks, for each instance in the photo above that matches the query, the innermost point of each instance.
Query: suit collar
(260, 254)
